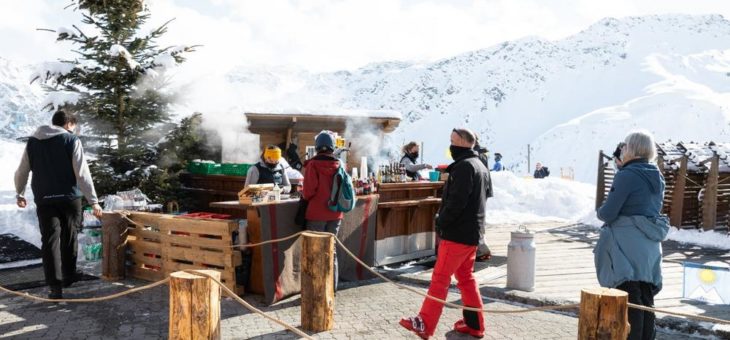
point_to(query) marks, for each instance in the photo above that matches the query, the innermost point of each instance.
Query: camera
(617, 152)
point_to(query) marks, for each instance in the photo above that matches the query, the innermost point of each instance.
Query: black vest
(411, 174)
(53, 178)
(267, 175)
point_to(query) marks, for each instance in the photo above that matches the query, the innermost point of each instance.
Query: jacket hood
(648, 172)
(48, 131)
(326, 165)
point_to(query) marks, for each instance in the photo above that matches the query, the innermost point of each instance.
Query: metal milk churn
(521, 260)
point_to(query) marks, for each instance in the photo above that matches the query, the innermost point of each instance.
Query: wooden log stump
(113, 246)
(603, 314)
(317, 280)
(195, 306)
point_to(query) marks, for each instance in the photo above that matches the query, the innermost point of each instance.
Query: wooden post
(195, 306)
(709, 201)
(113, 246)
(600, 181)
(318, 290)
(603, 314)
(677, 209)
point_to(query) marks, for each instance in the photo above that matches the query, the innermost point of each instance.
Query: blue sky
(321, 35)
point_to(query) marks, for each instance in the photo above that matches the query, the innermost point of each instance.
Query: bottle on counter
(277, 192)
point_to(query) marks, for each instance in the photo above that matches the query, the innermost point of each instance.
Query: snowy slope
(21, 222)
(19, 101)
(518, 92)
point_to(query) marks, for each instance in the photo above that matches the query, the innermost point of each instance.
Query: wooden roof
(304, 122)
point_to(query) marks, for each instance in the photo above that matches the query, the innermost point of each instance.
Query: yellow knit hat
(272, 152)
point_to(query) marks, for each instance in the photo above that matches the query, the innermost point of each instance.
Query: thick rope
(356, 259)
(444, 302)
(97, 299)
(249, 306)
(689, 316)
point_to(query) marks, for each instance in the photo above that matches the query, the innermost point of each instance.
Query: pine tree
(117, 85)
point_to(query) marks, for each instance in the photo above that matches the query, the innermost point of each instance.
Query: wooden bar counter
(275, 270)
(405, 222)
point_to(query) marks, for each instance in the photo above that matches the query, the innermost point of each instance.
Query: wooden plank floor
(564, 264)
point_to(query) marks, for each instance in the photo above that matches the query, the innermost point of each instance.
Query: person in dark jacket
(483, 251)
(319, 174)
(460, 218)
(628, 254)
(269, 170)
(541, 171)
(60, 178)
(410, 161)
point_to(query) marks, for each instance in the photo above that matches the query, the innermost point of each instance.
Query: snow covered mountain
(567, 98)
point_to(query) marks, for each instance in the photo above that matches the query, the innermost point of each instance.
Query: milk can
(521, 260)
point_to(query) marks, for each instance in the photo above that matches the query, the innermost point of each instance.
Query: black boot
(56, 293)
(76, 277)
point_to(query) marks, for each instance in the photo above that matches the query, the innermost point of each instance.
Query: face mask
(458, 151)
(414, 154)
(271, 166)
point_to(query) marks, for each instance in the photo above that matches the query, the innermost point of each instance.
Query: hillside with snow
(568, 98)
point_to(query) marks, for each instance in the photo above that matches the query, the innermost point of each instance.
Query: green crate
(201, 168)
(235, 169)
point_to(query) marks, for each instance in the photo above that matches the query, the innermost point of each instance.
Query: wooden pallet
(158, 245)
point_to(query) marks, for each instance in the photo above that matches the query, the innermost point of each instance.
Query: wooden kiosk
(393, 225)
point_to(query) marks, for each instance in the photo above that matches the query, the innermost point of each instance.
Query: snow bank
(701, 238)
(527, 200)
(20, 222)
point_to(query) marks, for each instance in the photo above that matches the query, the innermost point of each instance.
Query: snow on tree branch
(52, 70)
(55, 100)
(118, 50)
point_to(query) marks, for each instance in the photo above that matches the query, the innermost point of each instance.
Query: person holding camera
(628, 254)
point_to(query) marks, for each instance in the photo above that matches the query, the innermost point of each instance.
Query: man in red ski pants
(461, 215)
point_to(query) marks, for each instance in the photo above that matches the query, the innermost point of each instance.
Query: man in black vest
(60, 176)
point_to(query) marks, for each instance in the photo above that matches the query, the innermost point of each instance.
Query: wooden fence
(697, 177)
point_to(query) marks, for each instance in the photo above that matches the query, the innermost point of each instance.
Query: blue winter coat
(630, 249)
(638, 189)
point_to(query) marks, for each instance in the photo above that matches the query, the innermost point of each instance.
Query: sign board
(706, 283)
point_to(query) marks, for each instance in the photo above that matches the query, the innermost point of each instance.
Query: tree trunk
(603, 314)
(318, 290)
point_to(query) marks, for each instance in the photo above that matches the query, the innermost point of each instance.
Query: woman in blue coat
(628, 254)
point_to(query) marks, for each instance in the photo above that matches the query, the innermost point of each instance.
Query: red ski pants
(453, 259)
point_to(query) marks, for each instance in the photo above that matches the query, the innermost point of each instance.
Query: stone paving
(367, 310)
(565, 265)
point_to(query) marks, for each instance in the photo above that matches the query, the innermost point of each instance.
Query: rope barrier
(97, 299)
(686, 315)
(356, 259)
(248, 306)
(444, 302)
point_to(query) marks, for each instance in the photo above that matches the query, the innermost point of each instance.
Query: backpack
(342, 197)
